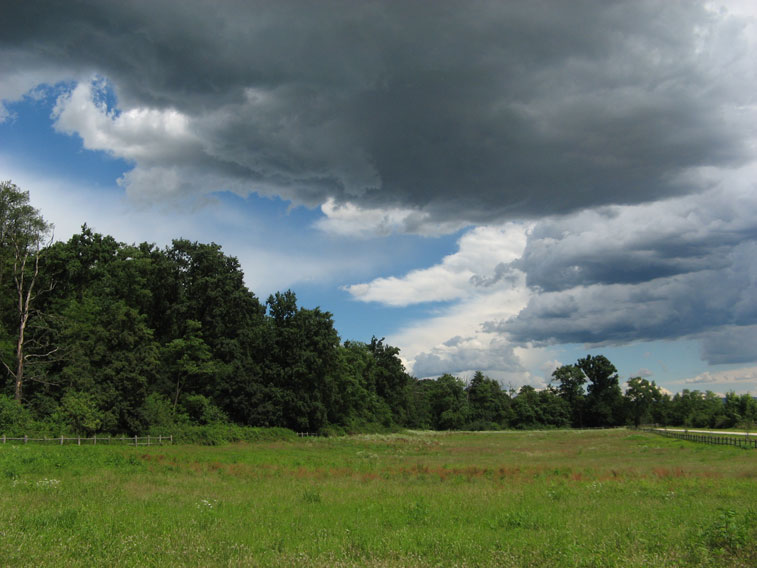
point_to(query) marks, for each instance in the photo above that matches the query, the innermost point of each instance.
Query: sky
(494, 186)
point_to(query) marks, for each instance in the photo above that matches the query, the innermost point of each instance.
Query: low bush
(216, 434)
(481, 426)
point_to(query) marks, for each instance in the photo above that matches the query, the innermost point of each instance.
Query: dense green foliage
(100, 336)
(149, 338)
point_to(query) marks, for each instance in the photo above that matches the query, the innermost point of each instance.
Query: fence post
(25, 438)
(148, 439)
(94, 438)
(135, 440)
(3, 438)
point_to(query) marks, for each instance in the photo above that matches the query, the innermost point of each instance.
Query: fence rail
(94, 440)
(702, 438)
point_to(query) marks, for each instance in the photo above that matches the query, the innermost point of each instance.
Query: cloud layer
(682, 268)
(475, 114)
(599, 155)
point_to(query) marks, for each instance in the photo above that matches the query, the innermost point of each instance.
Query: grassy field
(600, 498)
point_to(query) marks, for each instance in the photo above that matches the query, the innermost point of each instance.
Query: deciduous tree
(604, 400)
(569, 383)
(642, 395)
(23, 232)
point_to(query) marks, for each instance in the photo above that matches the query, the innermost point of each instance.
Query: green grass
(605, 498)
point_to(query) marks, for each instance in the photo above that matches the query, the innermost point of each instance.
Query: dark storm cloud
(684, 267)
(730, 345)
(476, 111)
(665, 308)
(631, 245)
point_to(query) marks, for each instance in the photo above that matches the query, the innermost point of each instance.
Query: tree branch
(31, 355)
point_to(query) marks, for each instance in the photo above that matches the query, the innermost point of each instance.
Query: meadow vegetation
(559, 498)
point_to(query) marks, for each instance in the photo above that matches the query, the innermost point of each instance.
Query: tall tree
(301, 361)
(488, 402)
(526, 408)
(604, 400)
(449, 405)
(698, 409)
(390, 380)
(569, 381)
(195, 281)
(642, 395)
(109, 353)
(23, 231)
(187, 362)
(356, 401)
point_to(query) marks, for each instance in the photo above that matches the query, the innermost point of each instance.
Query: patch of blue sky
(104, 95)
(292, 228)
(30, 140)
(359, 321)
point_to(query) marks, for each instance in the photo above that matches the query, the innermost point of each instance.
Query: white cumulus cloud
(740, 376)
(480, 262)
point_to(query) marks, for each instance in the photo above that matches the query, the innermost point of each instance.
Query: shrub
(159, 413)
(201, 410)
(78, 412)
(15, 420)
(481, 425)
(216, 434)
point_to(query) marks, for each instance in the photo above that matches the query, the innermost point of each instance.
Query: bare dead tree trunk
(25, 291)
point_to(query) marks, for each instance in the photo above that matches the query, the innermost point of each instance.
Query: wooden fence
(94, 440)
(718, 440)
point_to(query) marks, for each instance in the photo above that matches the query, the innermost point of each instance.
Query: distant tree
(195, 282)
(693, 408)
(568, 381)
(555, 411)
(539, 409)
(731, 409)
(712, 410)
(642, 395)
(740, 410)
(489, 404)
(209, 288)
(526, 409)
(301, 361)
(749, 412)
(420, 415)
(159, 413)
(355, 403)
(449, 405)
(390, 380)
(662, 410)
(604, 400)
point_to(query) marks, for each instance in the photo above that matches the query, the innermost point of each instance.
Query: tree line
(98, 336)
